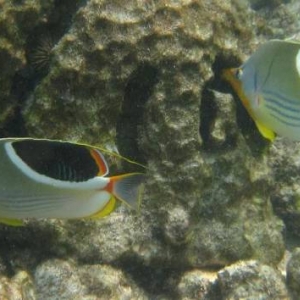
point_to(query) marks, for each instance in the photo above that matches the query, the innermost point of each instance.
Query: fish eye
(238, 73)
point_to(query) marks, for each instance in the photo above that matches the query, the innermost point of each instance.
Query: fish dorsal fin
(265, 132)
(11, 222)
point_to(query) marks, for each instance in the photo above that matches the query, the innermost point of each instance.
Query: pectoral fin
(265, 132)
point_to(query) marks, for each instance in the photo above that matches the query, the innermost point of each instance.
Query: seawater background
(219, 218)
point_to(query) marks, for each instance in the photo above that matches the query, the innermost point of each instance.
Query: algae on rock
(141, 75)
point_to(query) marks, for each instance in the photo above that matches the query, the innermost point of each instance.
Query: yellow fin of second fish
(106, 210)
(11, 222)
(265, 132)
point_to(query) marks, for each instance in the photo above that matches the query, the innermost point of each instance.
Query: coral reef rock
(250, 280)
(293, 273)
(144, 76)
(57, 279)
(17, 20)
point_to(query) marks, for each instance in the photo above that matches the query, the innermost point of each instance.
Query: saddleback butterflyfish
(268, 84)
(42, 178)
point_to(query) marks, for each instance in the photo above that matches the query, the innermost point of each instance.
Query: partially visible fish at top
(268, 84)
(43, 178)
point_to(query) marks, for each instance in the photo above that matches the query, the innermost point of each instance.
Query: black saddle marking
(58, 160)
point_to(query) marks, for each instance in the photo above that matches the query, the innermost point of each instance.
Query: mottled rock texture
(198, 284)
(57, 279)
(17, 20)
(293, 274)
(250, 280)
(117, 56)
(20, 286)
(145, 76)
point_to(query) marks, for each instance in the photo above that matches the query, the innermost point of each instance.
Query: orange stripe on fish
(99, 159)
(230, 76)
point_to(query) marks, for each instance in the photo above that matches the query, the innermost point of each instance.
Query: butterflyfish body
(42, 178)
(268, 84)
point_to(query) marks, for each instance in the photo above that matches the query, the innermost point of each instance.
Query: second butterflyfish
(42, 178)
(268, 84)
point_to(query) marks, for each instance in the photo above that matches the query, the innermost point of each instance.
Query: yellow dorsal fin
(265, 132)
(11, 222)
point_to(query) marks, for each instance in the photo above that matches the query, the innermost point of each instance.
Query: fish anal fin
(12, 222)
(106, 210)
(265, 132)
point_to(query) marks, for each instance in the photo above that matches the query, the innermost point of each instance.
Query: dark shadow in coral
(14, 125)
(267, 4)
(25, 247)
(208, 115)
(286, 210)
(159, 279)
(256, 143)
(155, 279)
(138, 90)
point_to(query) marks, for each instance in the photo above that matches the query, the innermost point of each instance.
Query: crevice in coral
(207, 115)
(267, 4)
(14, 125)
(208, 109)
(286, 209)
(156, 279)
(138, 90)
(16, 239)
(246, 125)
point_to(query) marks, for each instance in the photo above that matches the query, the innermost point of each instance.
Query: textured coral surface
(144, 76)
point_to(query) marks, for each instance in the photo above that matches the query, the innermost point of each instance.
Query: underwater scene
(149, 149)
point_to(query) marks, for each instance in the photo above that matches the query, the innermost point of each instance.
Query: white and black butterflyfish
(268, 84)
(42, 178)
